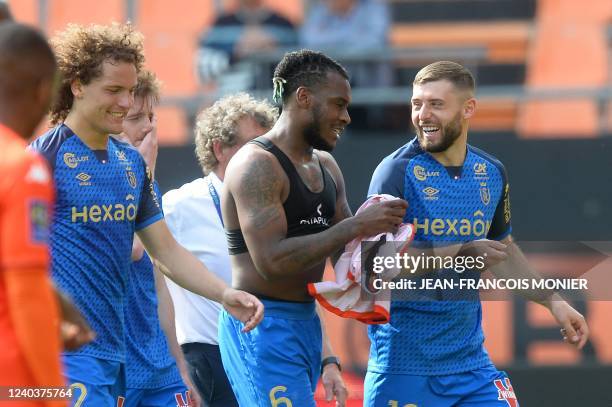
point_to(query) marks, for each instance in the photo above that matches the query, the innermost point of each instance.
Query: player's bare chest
(311, 175)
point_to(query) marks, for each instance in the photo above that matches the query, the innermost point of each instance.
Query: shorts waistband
(289, 310)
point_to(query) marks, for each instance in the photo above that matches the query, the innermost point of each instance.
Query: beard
(450, 132)
(312, 132)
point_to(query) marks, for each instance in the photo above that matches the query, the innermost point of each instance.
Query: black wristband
(328, 360)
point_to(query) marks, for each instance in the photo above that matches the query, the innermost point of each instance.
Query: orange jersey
(26, 203)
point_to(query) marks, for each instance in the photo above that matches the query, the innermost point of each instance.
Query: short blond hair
(220, 122)
(148, 86)
(81, 51)
(453, 72)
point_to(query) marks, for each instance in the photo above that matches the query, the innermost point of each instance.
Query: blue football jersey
(103, 197)
(441, 334)
(149, 363)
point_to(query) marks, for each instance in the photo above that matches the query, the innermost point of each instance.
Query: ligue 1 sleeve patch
(39, 221)
(38, 174)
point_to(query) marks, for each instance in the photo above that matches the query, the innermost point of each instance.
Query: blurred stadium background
(544, 70)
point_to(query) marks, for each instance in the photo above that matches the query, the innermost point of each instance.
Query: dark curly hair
(303, 68)
(81, 51)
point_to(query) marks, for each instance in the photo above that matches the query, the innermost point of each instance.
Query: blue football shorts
(94, 381)
(277, 363)
(172, 395)
(484, 387)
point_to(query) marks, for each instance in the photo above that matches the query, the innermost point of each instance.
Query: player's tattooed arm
(294, 255)
(258, 184)
(258, 198)
(260, 189)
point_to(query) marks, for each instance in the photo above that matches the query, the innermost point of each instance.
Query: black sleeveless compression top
(307, 212)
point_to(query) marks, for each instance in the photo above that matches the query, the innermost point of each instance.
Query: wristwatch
(328, 360)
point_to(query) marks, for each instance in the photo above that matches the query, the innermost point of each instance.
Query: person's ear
(469, 108)
(218, 149)
(77, 89)
(304, 97)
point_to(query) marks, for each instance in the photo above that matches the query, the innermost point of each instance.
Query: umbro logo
(431, 193)
(84, 179)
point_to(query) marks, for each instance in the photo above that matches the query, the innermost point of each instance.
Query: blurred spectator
(351, 30)
(350, 25)
(5, 12)
(252, 29)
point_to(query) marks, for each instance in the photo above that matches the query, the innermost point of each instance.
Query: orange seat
(171, 57)
(494, 115)
(171, 34)
(172, 126)
(505, 41)
(25, 11)
(569, 52)
(62, 12)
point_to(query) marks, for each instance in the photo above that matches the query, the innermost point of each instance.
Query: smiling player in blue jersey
(431, 353)
(104, 195)
(152, 375)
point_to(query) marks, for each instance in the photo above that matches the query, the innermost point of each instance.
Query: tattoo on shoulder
(259, 188)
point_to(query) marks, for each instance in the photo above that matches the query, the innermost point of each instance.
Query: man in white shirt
(194, 216)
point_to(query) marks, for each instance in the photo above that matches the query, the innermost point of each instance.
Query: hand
(574, 329)
(149, 147)
(243, 306)
(334, 385)
(381, 217)
(194, 397)
(492, 251)
(74, 329)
